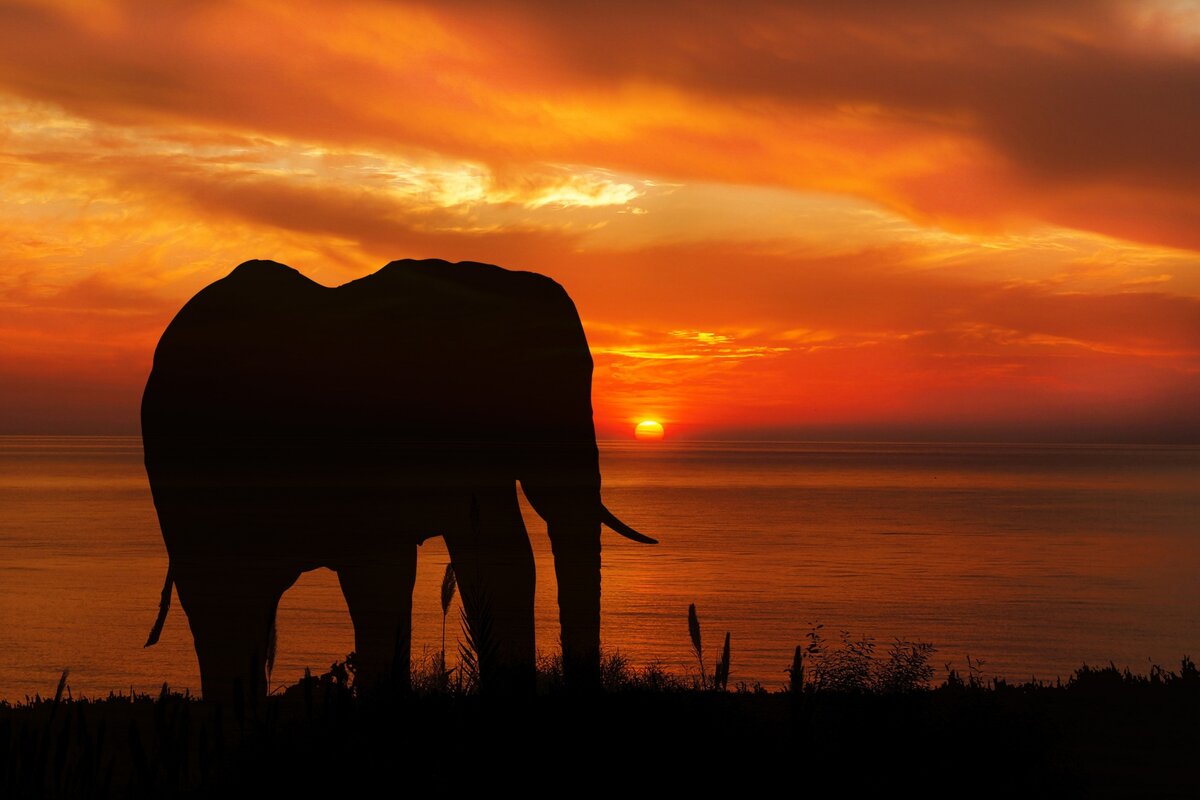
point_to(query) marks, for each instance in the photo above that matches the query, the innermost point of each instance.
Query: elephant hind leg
(378, 593)
(494, 566)
(232, 617)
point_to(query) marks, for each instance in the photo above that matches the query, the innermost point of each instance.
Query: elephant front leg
(494, 566)
(378, 592)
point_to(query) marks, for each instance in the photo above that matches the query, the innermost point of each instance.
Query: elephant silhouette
(289, 426)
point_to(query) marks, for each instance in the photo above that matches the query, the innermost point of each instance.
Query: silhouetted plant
(796, 671)
(615, 672)
(720, 677)
(448, 586)
(308, 693)
(616, 675)
(62, 684)
(272, 646)
(751, 688)
(847, 668)
(341, 672)
(654, 678)
(853, 665)
(468, 660)
(953, 679)
(1101, 680)
(694, 633)
(426, 676)
(907, 668)
(477, 651)
(975, 672)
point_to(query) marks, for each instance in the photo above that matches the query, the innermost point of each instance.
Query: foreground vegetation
(851, 719)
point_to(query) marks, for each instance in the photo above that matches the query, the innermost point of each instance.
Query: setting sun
(648, 429)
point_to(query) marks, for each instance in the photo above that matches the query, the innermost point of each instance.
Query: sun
(648, 430)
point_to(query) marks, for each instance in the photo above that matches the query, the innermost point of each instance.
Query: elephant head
(289, 426)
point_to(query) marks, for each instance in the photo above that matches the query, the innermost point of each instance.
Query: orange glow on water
(866, 537)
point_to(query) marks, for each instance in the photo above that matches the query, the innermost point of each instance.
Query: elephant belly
(299, 508)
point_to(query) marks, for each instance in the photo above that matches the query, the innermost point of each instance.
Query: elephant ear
(610, 519)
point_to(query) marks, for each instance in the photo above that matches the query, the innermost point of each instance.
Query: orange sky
(930, 219)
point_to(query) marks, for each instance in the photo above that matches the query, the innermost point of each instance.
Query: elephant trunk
(576, 547)
(574, 514)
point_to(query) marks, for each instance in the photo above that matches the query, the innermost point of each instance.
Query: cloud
(821, 342)
(683, 345)
(980, 115)
(380, 204)
(800, 214)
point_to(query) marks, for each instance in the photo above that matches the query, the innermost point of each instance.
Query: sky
(865, 219)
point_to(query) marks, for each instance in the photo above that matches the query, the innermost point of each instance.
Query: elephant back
(409, 373)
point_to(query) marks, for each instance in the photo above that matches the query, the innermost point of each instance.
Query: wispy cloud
(980, 115)
(682, 345)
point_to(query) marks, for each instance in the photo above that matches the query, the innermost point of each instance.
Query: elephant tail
(610, 519)
(164, 605)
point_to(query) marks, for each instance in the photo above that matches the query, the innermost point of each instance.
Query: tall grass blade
(449, 583)
(448, 586)
(478, 652)
(62, 684)
(308, 694)
(796, 684)
(272, 642)
(721, 678)
(694, 632)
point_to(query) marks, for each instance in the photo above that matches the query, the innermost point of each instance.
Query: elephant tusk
(163, 606)
(610, 519)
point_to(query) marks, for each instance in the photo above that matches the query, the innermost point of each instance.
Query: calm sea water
(1032, 559)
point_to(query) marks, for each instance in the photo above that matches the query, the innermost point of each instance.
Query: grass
(853, 716)
(1103, 729)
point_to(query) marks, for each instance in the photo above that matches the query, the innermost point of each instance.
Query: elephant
(289, 426)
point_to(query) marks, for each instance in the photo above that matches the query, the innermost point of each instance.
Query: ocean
(1028, 559)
